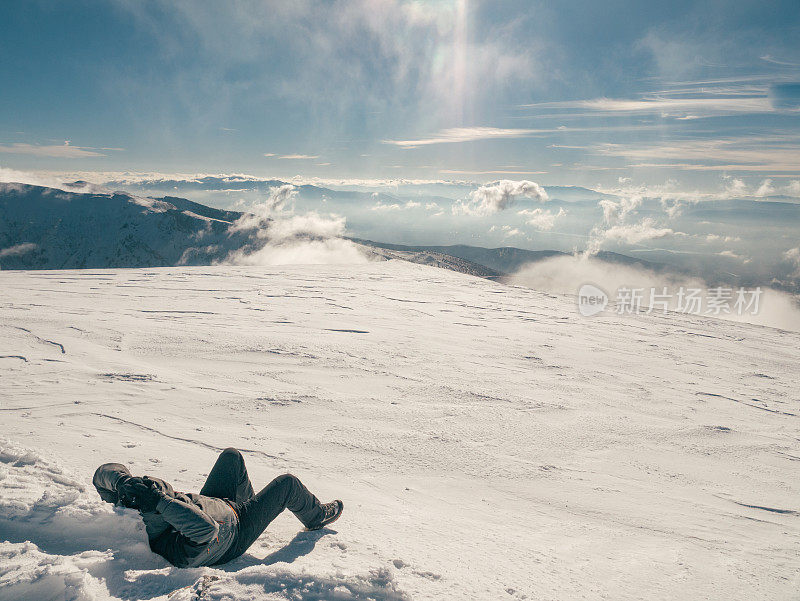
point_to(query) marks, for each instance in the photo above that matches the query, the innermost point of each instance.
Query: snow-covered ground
(488, 441)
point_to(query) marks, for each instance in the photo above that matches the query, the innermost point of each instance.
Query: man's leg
(228, 478)
(284, 492)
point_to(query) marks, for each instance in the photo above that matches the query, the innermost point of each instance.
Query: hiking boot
(330, 513)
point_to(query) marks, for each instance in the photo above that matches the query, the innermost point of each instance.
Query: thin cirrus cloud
(61, 151)
(490, 172)
(293, 157)
(768, 153)
(472, 134)
(455, 135)
(725, 103)
(686, 99)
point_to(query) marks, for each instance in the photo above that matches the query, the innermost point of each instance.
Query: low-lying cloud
(13, 176)
(541, 219)
(277, 236)
(616, 227)
(18, 249)
(566, 274)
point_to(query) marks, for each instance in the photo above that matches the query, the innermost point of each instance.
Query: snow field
(488, 441)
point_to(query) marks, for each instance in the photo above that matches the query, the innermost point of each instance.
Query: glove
(138, 493)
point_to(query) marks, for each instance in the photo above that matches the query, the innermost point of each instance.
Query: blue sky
(686, 94)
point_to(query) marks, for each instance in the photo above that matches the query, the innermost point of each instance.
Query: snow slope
(68, 230)
(488, 442)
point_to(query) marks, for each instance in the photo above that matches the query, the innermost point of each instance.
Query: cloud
(498, 196)
(507, 231)
(471, 134)
(735, 186)
(615, 228)
(732, 255)
(456, 135)
(566, 274)
(300, 243)
(385, 207)
(793, 256)
(793, 187)
(540, 219)
(18, 249)
(258, 220)
(744, 153)
(638, 232)
(406, 61)
(665, 106)
(410, 204)
(725, 239)
(61, 151)
(617, 210)
(765, 189)
(492, 172)
(690, 102)
(47, 180)
(673, 207)
(278, 237)
(299, 157)
(281, 196)
(775, 61)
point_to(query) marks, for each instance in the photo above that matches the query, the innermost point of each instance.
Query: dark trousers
(228, 480)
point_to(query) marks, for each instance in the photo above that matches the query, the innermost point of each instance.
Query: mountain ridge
(49, 228)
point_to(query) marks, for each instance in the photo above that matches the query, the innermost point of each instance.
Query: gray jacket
(188, 530)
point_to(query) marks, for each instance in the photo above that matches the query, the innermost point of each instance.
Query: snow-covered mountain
(488, 441)
(65, 229)
(48, 228)
(509, 259)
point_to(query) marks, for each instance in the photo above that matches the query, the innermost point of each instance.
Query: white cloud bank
(566, 274)
(12, 176)
(280, 237)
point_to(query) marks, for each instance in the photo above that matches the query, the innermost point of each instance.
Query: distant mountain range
(431, 191)
(48, 228)
(507, 259)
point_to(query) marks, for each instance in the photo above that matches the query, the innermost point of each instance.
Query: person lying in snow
(220, 523)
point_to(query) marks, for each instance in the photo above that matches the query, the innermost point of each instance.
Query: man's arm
(107, 478)
(188, 519)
